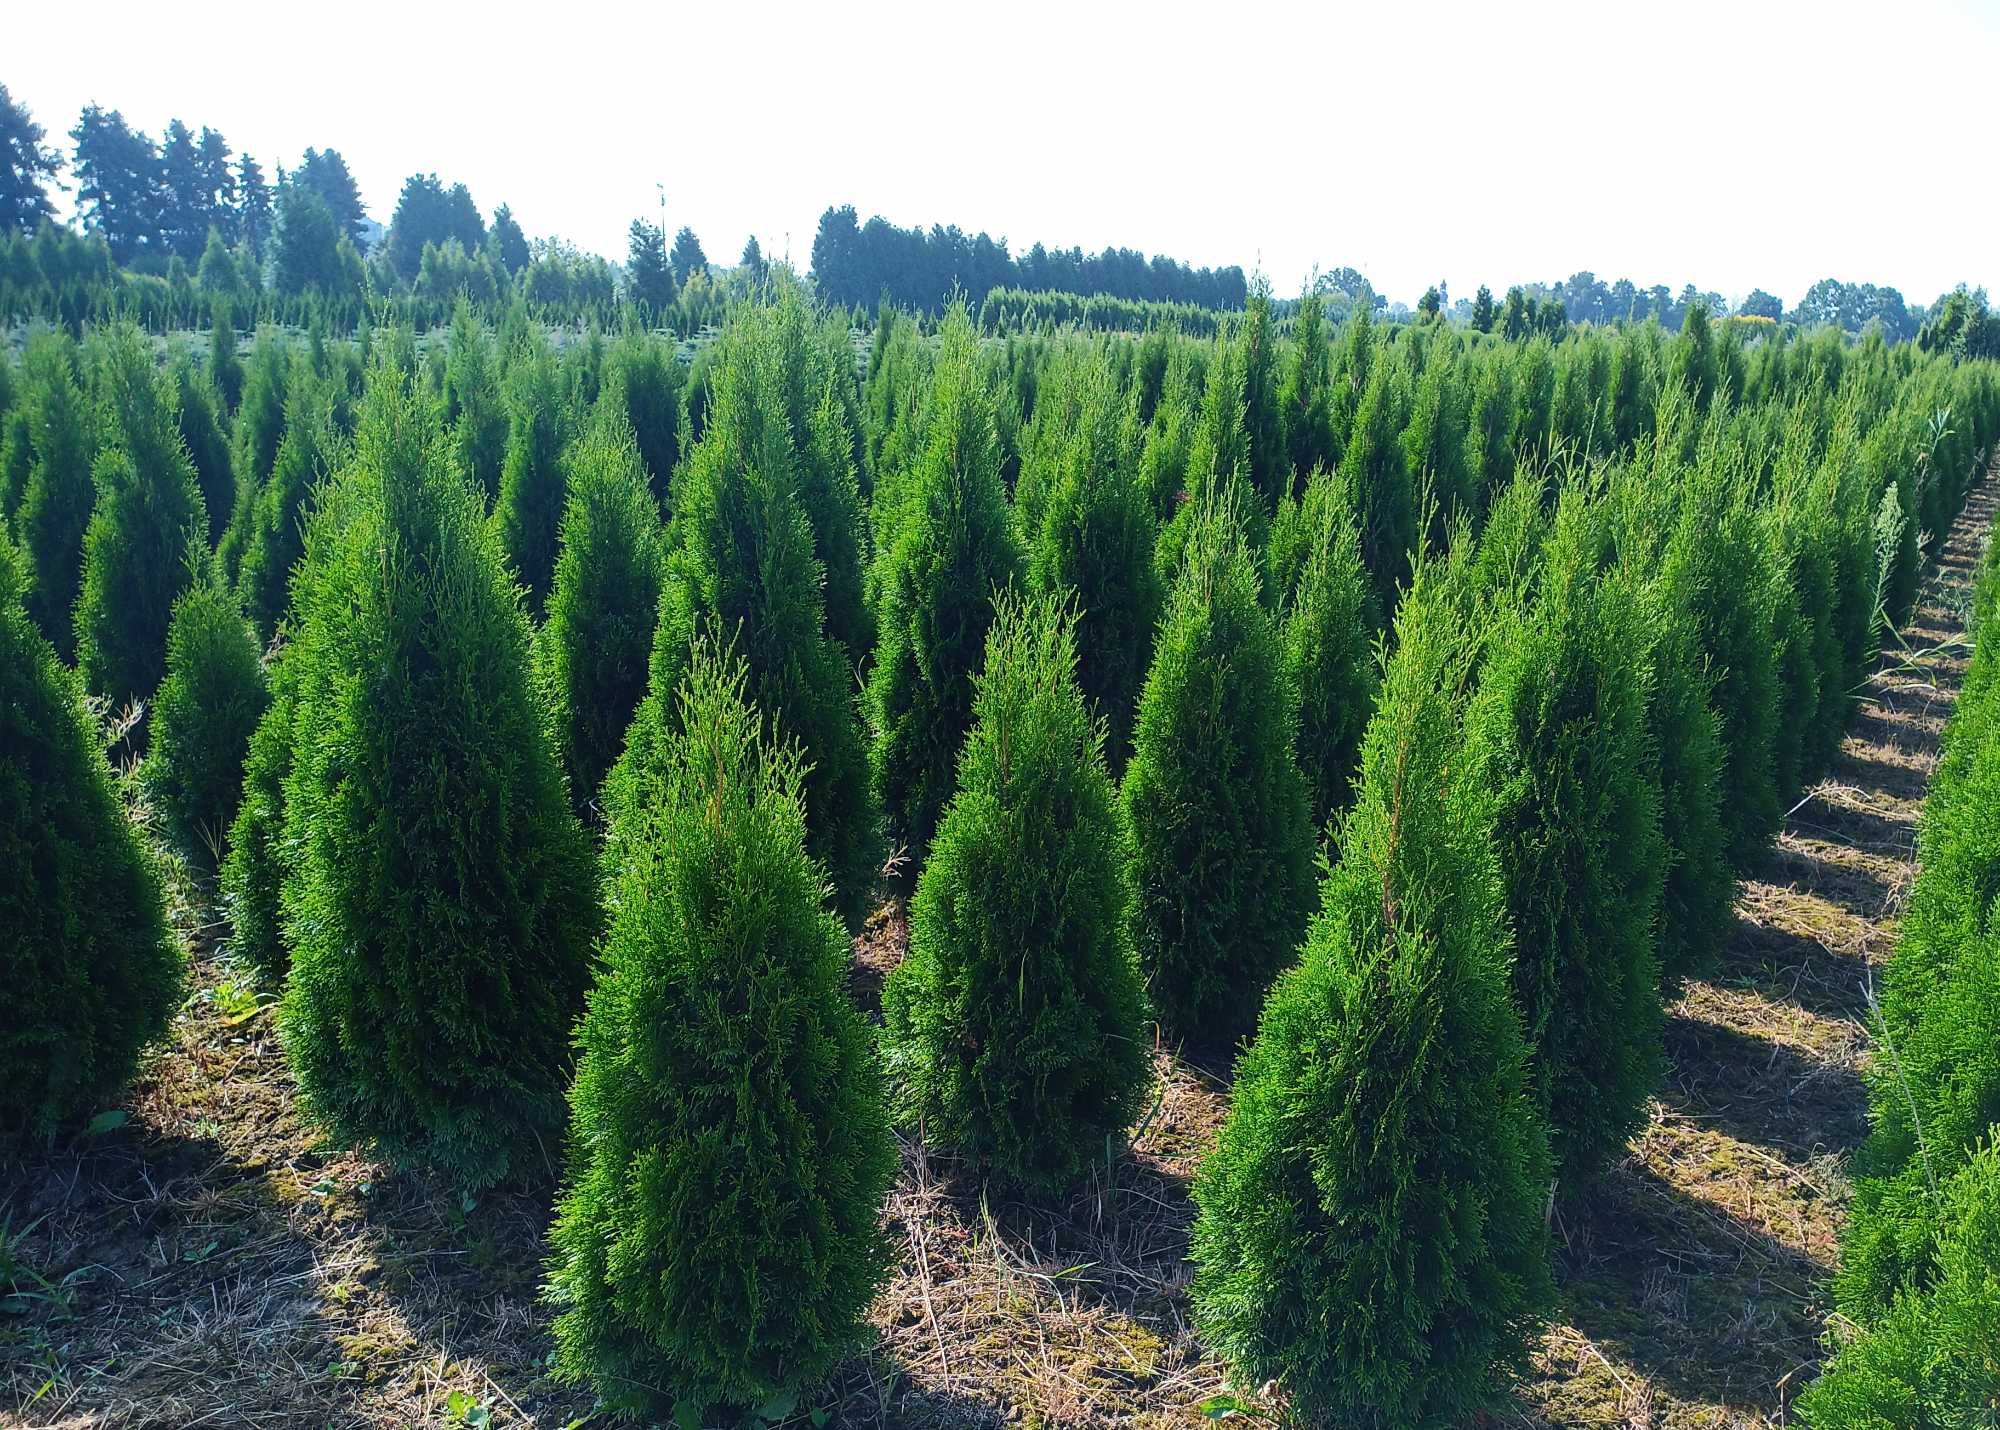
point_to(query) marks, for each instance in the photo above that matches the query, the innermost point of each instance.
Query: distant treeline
(854, 264)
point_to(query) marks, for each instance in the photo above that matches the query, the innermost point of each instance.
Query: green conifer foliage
(1163, 452)
(56, 505)
(1370, 1228)
(741, 568)
(198, 410)
(274, 531)
(1932, 1360)
(148, 512)
(1557, 735)
(473, 405)
(717, 1244)
(951, 551)
(1717, 563)
(592, 655)
(1222, 832)
(92, 971)
(440, 897)
(212, 699)
(1218, 468)
(1327, 624)
(1380, 488)
(252, 875)
(260, 427)
(1095, 538)
(223, 368)
(1305, 393)
(643, 376)
(1270, 469)
(1013, 1031)
(529, 513)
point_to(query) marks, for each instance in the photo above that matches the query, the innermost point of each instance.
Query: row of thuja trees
(595, 683)
(1920, 1262)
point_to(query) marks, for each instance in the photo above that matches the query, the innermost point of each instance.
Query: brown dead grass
(212, 1264)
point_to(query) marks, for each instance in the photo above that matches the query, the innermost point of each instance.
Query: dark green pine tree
(1095, 539)
(1370, 1229)
(643, 378)
(60, 493)
(473, 406)
(135, 551)
(650, 282)
(1013, 1033)
(1327, 623)
(203, 716)
(951, 551)
(592, 654)
(1557, 737)
(741, 567)
(718, 1241)
(440, 897)
(274, 531)
(92, 971)
(1222, 831)
(529, 513)
(199, 415)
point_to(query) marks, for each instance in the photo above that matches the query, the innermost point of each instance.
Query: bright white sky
(1731, 143)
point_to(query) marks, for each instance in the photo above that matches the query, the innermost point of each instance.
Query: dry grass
(210, 1263)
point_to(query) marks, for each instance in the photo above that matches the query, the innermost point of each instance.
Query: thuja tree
(1935, 1083)
(1557, 737)
(1217, 476)
(60, 493)
(718, 1244)
(1370, 1224)
(440, 896)
(1305, 393)
(1327, 623)
(1263, 413)
(1095, 539)
(148, 512)
(199, 415)
(252, 875)
(592, 654)
(202, 720)
(643, 378)
(473, 406)
(952, 549)
(92, 971)
(1715, 564)
(259, 427)
(1379, 486)
(1222, 833)
(1013, 1031)
(741, 567)
(274, 529)
(1932, 1360)
(530, 508)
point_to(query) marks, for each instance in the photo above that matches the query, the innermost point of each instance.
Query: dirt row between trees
(196, 1258)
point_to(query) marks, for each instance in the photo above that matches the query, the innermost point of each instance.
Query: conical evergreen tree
(1380, 489)
(1263, 417)
(274, 531)
(223, 367)
(199, 417)
(440, 898)
(1305, 394)
(1327, 623)
(643, 377)
(56, 505)
(1095, 539)
(592, 655)
(148, 511)
(1370, 1229)
(1013, 1031)
(473, 406)
(1222, 831)
(529, 513)
(253, 869)
(1218, 469)
(718, 1243)
(1557, 735)
(203, 716)
(259, 428)
(951, 552)
(741, 566)
(92, 972)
